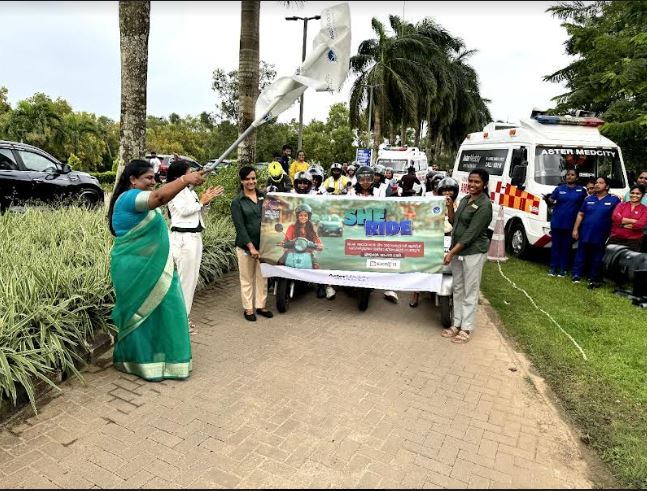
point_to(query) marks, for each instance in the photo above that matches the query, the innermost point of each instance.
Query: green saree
(153, 339)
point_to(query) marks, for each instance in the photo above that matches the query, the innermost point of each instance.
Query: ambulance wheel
(446, 305)
(282, 295)
(517, 241)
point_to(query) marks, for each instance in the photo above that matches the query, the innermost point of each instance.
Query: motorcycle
(298, 254)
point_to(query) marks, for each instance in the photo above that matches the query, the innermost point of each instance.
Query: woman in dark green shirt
(470, 242)
(246, 211)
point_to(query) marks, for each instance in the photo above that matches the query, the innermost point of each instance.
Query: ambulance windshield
(399, 165)
(551, 164)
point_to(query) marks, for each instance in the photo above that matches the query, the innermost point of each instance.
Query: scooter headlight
(301, 244)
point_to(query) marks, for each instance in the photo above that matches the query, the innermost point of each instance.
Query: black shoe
(594, 284)
(249, 317)
(264, 313)
(321, 291)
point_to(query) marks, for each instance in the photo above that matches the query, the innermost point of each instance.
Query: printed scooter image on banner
(393, 240)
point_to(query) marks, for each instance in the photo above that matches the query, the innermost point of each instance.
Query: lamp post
(303, 57)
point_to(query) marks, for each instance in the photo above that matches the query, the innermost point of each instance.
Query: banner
(388, 243)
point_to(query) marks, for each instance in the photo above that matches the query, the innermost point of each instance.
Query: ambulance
(528, 160)
(400, 158)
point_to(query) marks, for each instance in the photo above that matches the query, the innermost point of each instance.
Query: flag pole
(209, 168)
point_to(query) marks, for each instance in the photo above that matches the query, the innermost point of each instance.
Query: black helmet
(448, 183)
(365, 171)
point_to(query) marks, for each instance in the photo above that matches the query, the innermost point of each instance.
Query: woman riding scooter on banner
(303, 185)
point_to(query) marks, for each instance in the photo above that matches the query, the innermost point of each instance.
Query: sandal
(450, 332)
(462, 337)
(193, 329)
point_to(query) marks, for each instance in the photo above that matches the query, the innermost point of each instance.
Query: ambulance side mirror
(518, 177)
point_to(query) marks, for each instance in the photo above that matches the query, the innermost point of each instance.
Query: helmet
(303, 177)
(448, 183)
(431, 173)
(335, 166)
(303, 207)
(389, 169)
(351, 167)
(365, 171)
(275, 170)
(379, 169)
(315, 171)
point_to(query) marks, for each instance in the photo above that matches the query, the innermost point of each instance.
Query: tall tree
(609, 74)
(134, 28)
(248, 66)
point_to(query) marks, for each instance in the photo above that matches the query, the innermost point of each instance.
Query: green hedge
(56, 291)
(107, 177)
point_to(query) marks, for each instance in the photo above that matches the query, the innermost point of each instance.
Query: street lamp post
(303, 57)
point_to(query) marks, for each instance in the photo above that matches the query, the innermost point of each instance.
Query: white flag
(324, 69)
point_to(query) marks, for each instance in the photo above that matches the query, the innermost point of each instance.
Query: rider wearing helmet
(317, 179)
(379, 180)
(365, 182)
(303, 183)
(448, 186)
(278, 180)
(336, 183)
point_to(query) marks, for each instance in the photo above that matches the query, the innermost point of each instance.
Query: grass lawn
(607, 395)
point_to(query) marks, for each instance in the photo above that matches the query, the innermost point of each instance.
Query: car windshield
(551, 164)
(399, 165)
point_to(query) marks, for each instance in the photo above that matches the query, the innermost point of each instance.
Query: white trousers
(466, 278)
(251, 281)
(186, 248)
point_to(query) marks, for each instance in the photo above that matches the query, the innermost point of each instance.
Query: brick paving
(323, 396)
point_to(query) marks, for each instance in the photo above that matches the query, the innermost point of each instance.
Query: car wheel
(89, 198)
(516, 240)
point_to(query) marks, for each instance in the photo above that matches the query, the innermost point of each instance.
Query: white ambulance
(528, 160)
(400, 158)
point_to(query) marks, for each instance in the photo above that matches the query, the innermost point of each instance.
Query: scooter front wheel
(282, 295)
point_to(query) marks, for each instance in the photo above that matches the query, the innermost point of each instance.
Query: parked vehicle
(330, 225)
(29, 174)
(222, 165)
(165, 161)
(528, 160)
(400, 158)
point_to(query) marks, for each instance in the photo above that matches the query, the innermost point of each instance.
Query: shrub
(105, 178)
(56, 290)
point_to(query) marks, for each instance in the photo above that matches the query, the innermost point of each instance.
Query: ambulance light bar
(568, 120)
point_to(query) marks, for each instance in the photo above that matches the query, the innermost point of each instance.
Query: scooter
(298, 255)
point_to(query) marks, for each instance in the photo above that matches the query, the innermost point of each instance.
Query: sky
(71, 50)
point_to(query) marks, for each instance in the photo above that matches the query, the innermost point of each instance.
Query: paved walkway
(313, 398)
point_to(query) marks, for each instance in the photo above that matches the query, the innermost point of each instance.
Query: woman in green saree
(153, 333)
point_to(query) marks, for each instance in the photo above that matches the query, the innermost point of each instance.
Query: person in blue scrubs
(591, 229)
(566, 200)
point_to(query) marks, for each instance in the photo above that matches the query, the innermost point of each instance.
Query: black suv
(28, 173)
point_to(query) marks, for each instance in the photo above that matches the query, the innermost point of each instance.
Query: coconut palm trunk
(377, 131)
(248, 68)
(134, 26)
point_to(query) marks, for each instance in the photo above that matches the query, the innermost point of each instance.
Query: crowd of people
(594, 218)
(155, 272)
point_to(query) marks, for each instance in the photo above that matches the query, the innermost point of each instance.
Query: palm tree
(248, 73)
(134, 27)
(394, 66)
